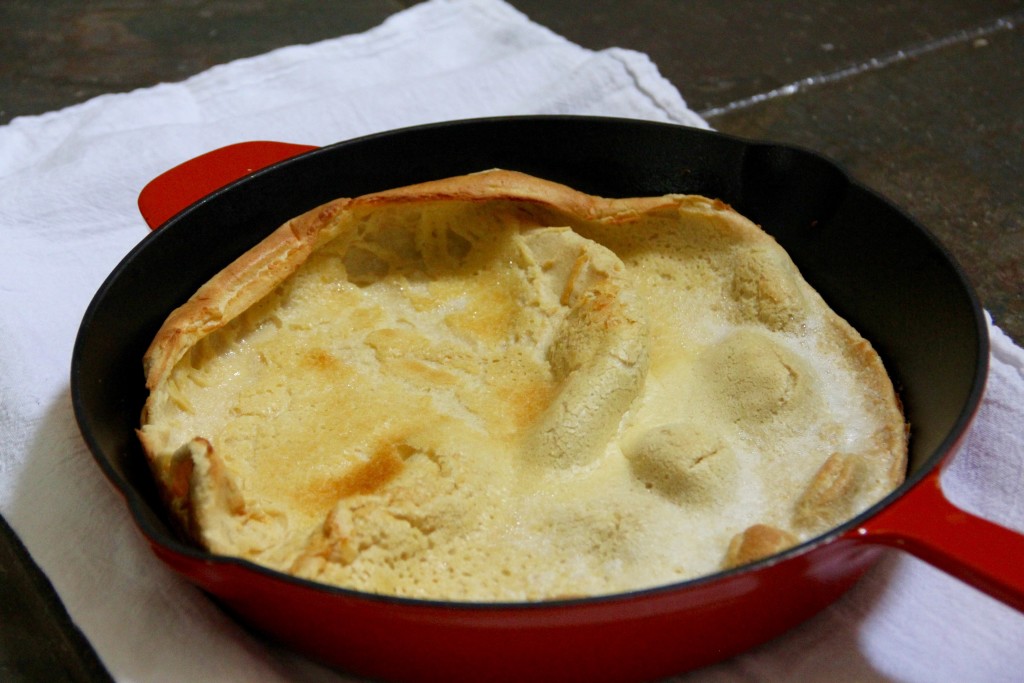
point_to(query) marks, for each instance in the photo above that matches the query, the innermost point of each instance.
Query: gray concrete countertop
(926, 107)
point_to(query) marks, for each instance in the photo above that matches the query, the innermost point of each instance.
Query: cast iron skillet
(878, 268)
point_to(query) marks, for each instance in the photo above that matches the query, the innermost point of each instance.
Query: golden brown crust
(237, 287)
(756, 543)
(496, 387)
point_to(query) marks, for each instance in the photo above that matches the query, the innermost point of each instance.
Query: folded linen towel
(68, 186)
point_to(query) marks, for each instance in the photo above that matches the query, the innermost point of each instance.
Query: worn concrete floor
(926, 107)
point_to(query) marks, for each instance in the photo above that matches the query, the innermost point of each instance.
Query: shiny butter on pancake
(496, 388)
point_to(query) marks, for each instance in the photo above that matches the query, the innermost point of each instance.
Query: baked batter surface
(494, 387)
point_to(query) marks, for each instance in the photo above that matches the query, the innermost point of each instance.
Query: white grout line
(1002, 24)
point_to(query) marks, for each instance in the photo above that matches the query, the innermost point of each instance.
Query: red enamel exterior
(639, 636)
(924, 523)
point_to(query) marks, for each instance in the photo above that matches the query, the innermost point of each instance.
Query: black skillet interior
(873, 264)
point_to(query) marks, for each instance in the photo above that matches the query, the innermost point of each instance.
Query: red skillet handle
(924, 523)
(187, 183)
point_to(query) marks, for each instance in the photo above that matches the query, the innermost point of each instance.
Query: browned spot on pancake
(422, 373)
(528, 401)
(386, 463)
(179, 477)
(756, 542)
(489, 315)
(570, 283)
(319, 359)
(519, 391)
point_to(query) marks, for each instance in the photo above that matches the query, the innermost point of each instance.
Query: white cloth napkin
(68, 186)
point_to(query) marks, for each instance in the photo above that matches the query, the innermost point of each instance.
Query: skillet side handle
(187, 183)
(981, 553)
